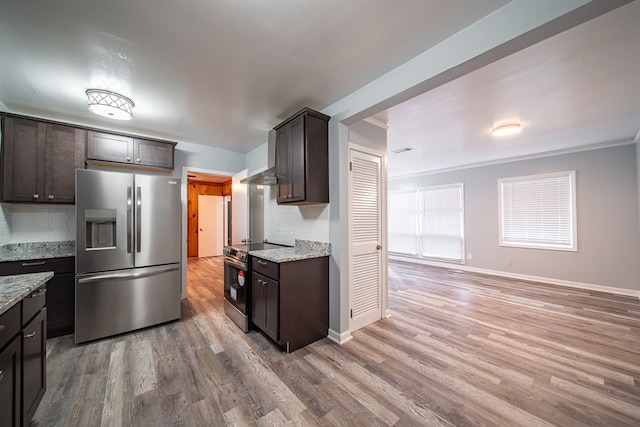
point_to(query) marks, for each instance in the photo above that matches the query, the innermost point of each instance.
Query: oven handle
(239, 265)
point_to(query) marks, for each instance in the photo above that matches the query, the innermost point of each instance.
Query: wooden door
(365, 267)
(64, 154)
(210, 225)
(23, 160)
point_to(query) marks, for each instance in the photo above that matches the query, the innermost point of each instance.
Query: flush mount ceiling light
(507, 128)
(109, 104)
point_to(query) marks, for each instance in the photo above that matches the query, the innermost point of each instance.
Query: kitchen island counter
(14, 288)
(303, 249)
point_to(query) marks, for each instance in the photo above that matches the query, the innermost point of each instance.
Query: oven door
(236, 282)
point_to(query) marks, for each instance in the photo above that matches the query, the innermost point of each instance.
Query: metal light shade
(109, 104)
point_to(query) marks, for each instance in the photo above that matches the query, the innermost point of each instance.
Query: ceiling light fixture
(109, 104)
(508, 128)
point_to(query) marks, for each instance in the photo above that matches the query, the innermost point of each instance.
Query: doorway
(210, 225)
(201, 184)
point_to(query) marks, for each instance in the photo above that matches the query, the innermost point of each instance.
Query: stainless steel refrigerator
(128, 243)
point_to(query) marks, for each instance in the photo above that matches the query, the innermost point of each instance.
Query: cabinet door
(60, 304)
(23, 157)
(10, 363)
(283, 148)
(64, 154)
(109, 148)
(34, 375)
(153, 153)
(258, 298)
(265, 313)
(290, 155)
(272, 309)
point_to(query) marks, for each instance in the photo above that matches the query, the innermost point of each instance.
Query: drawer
(9, 324)
(265, 267)
(57, 265)
(32, 303)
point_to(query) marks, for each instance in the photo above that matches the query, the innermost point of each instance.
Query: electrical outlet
(508, 262)
(469, 256)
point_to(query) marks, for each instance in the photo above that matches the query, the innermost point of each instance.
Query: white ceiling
(576, 89)
(215, 72)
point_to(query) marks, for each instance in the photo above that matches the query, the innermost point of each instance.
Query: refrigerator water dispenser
(101, 228)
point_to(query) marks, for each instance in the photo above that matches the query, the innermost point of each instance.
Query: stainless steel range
(237, 281)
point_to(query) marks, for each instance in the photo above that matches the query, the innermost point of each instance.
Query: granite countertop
(303, 249)
(37, 250)
(14, 288)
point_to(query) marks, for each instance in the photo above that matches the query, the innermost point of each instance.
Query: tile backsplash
(35, 223)
(284, 224)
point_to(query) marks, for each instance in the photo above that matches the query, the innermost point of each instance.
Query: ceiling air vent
(402, 150)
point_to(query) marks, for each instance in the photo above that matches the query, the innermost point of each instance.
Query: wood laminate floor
(460, 349)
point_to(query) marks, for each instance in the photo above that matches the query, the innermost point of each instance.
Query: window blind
(442, 222)
(428, 222)
(538, 211)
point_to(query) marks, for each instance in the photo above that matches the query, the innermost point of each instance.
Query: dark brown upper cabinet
(104, 147)
(302, 158)
(39, 160)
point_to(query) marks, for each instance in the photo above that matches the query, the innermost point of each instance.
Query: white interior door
(210, 225)
(365, 228)
(239, 203)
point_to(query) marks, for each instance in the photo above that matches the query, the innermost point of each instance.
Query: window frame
(418, 222)
(573, 247)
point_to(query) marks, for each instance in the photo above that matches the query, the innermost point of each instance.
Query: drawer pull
(262, 262)
(32, 264)
(31, 335)
(1, 375)
(39, 293)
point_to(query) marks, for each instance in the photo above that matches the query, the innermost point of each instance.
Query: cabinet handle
(1, 375)
(128, 159)
(36, 196)
(31, 335)
(38, 294)
(262, 262)
(138, 160)
(31, 264)
(50, 196)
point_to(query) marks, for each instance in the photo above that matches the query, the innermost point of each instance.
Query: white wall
(607, 218)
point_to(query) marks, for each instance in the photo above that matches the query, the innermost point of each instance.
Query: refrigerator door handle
(127, 275)
(138, 219)
(129, 219)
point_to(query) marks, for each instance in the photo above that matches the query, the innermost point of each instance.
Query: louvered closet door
(365, 271)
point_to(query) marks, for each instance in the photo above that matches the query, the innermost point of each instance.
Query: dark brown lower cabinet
(34, 356)
(265, 313)
(10, 378)
(23, 358)
(290, 300)
(60, 290)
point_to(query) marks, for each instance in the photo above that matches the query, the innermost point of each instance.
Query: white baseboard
(339, 338)
(549, 280)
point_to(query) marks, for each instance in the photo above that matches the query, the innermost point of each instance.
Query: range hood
(267, 176)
